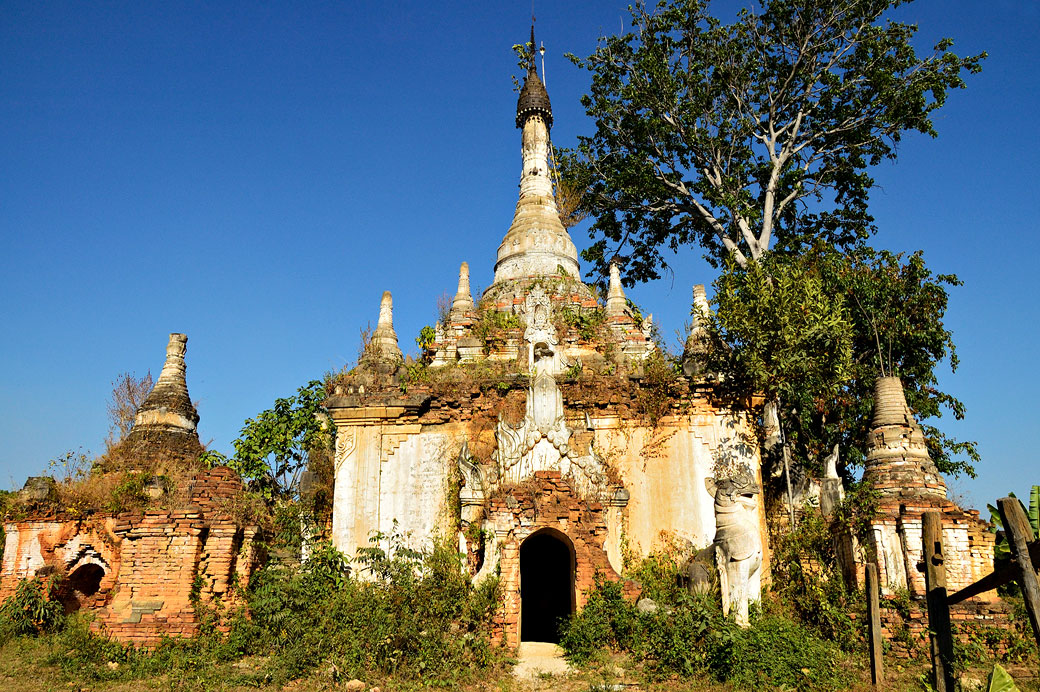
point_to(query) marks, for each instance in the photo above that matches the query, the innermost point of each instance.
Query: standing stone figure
(738, 543)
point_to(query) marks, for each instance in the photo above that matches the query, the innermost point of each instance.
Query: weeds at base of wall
(808, 581)
(415, 618)
(33, 610)
(689, 637)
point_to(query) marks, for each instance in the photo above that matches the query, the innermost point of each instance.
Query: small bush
(588, 323)
(687, 638)
(778, 653)
(808, 581)
(128, 493)
(690, 639)
(607, 620)
(661, 577)
(32, 610)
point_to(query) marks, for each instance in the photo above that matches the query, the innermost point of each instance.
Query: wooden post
(1019, 536)
(877, 674)
(938, 609)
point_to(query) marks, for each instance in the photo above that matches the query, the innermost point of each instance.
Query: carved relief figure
(738, 543)
(542, 440)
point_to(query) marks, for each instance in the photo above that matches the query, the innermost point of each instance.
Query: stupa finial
(616, 302)
(166, 423)
(463, 301)
(898, 462)
(168, 405)
(531, 67)
(534, 99)
(383, 343)
(700, 308)
(536, 245)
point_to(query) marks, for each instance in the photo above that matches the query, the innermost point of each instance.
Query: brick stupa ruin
(141, 570)
(908, 484)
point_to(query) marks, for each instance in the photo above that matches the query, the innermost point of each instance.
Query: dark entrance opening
(83, 582)
(546, 586)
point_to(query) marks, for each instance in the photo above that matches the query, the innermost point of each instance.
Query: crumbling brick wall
(905, 626)
(159, 565)
(967, 546)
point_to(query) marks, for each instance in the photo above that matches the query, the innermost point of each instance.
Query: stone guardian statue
(738, 541)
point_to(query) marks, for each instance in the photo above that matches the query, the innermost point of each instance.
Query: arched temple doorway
(82, 582)
(546, 585)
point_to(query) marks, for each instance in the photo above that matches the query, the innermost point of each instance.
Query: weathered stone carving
(38, 489)
(738, 542)
(473, 488)
(541, 441)
(346, 441)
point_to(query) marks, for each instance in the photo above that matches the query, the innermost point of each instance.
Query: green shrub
(129, 493)
(83, 654)
(690, 639)
(607, 620)
(808, 580)
(778, 653)
(687, 636)
(32, 610)
(660, 574)
(415, 614)
(587, 323)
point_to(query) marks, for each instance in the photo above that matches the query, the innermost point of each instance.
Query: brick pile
(212, 489)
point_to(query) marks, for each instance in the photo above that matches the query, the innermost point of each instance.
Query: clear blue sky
(256, 174)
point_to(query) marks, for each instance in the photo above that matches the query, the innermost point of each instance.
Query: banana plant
(999, 680)
(1001, 550)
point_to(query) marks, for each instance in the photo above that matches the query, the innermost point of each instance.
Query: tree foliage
(272, 449)
(755, 140)
(781, 332)
(752, 135)
(815, 330)
(898, 307)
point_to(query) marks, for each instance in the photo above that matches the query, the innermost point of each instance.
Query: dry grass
(113, 483)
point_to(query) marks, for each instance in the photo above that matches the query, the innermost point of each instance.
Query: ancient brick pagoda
(539, 436)
(143, 572)
(544, 434)
(900, 469)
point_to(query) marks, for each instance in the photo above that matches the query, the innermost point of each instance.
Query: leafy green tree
(756, 139)
(750, 136)
(893, 307)
(780, 332)
(273, 448)
(897, 306)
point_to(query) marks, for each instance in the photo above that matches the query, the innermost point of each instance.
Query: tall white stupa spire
(536, 244)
